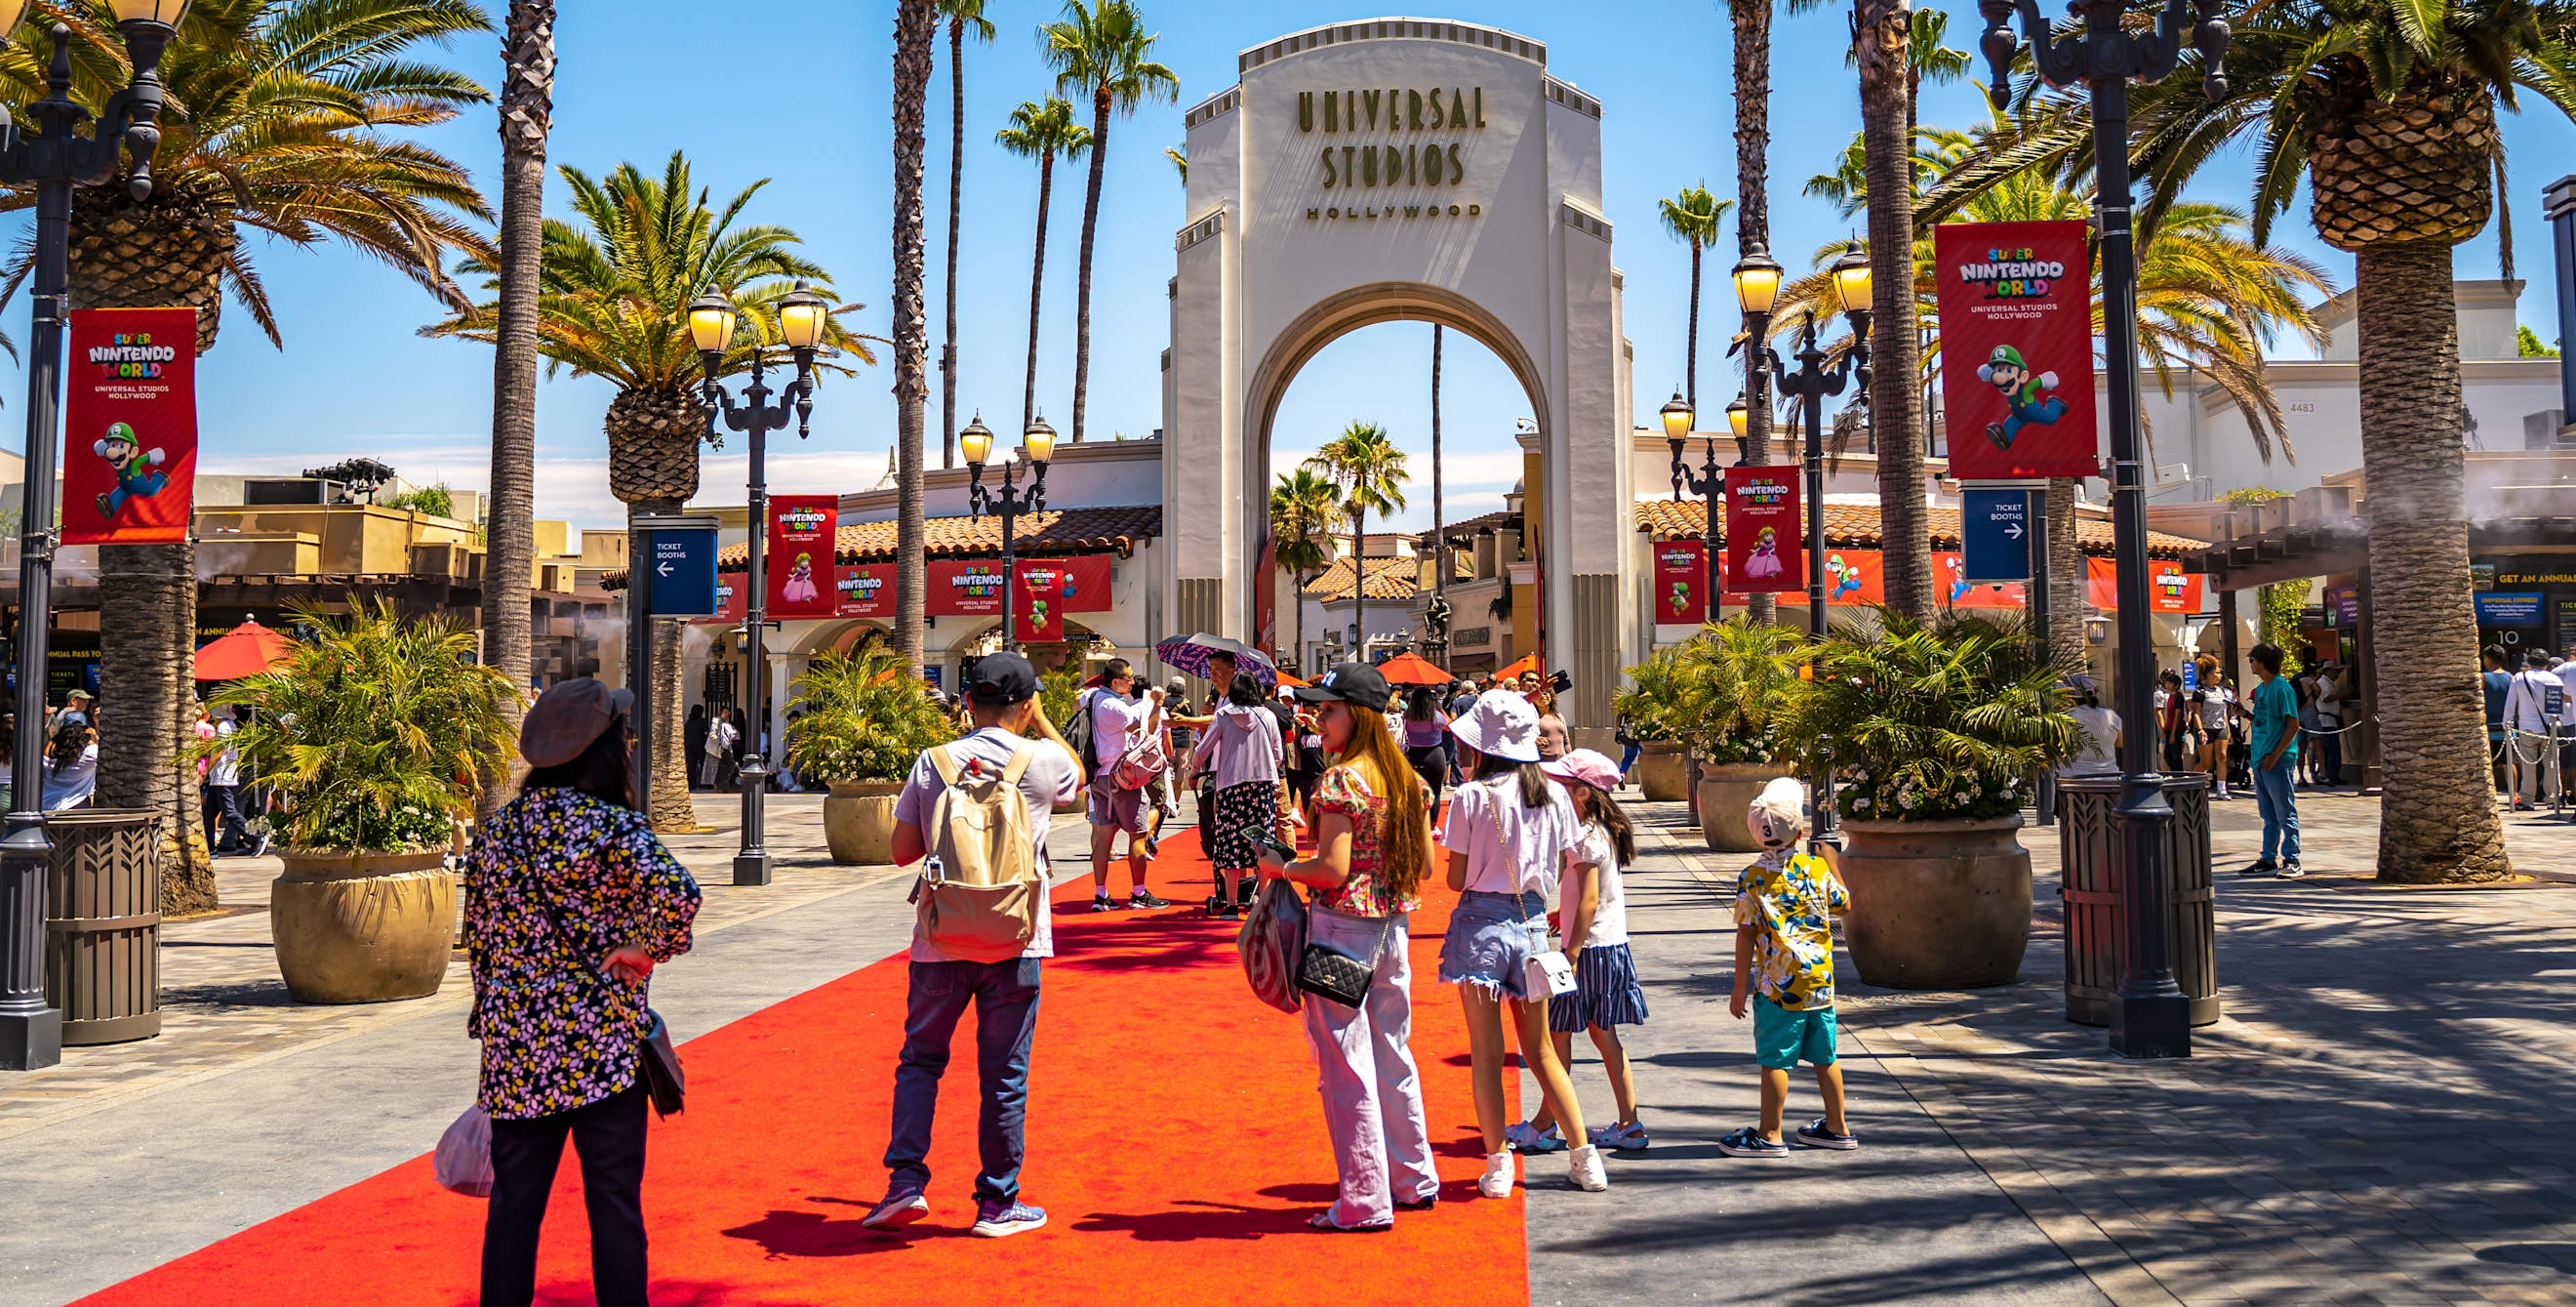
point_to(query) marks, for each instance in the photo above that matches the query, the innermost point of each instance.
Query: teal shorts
(1781, 1037)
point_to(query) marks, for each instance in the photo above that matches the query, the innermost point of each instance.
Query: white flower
(1861, 802)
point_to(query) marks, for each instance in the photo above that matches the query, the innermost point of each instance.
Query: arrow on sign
(663, 569)
(2013, 529)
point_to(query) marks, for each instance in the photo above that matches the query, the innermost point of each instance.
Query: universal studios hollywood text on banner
(130, 426)
(2016, 304)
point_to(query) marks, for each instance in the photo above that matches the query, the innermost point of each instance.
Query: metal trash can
(2092, 931)
(103, 923)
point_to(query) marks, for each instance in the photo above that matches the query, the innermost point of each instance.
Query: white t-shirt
(1610, 911)
(1539, 837)
(720, 737)
(227, 765)
(1048, 782)
(1115, 724)
(2526, 701)
(2213, 708)
(2098, 756)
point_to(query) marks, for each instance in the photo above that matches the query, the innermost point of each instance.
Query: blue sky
(806, 103)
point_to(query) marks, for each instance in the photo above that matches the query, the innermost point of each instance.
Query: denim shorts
(1490, 942)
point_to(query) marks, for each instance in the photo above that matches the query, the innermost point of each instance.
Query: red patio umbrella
(1527, 662)
(246, 650)
(1412, 669)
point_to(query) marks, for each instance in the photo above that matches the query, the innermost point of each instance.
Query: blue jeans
(1005, 995)
(2276, 797)
(1628, 761)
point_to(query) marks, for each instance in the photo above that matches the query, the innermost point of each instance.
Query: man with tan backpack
(974, 817)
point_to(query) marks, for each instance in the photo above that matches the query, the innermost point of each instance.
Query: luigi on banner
(2026, 395)
(138, 473)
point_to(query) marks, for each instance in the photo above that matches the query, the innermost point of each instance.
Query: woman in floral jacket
(570, 903)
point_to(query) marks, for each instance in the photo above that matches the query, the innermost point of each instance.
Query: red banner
(1852, 580)
(130, 426)
(2016, 305)
(733, 600)
(965, 587)
(867, 590)
(1086, 582)
(1763, 531)
(802, 532)
(2169, 588)
(1037, 600)
(1681, 583)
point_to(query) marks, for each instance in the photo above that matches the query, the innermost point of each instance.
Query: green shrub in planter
(1937, 721)
(863, 718)
(1721, 692)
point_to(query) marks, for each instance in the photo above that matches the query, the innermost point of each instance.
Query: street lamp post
(1709, 483)
(2149, 1015)
(802, 315)
(1810, 383)
(1037, 445)
(54, 159)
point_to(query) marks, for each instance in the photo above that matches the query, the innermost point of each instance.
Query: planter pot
(858, 821)
(1662, 771)
(1726, 792)
(362, 927)
(1937, 904)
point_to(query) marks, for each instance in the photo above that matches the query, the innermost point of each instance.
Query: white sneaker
(1497, 1182)
(1586, 1171)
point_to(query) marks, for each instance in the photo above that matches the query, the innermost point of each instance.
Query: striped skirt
(1605, 992)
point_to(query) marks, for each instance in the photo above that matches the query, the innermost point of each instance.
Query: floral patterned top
(557, 1032)
(1344, 792)
(1787, 899)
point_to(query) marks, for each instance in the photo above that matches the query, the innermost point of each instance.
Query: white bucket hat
(1501, 725)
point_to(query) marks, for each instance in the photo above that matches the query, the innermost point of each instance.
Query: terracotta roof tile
(1388, 578)
(1855, 526)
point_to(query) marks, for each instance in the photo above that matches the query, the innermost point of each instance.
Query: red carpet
(1174, 1138)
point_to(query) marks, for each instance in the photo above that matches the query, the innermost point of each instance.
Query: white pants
(2535, 767)
(1372, 1091)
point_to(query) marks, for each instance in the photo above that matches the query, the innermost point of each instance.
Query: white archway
(1398, 169)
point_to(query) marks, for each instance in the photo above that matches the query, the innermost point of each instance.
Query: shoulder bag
(1328, 972)
(1548, 972)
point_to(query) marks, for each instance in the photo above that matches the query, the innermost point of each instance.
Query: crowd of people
(230, 801)
(573, 902)
(2531, 725)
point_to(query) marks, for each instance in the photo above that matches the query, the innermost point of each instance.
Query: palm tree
(1883, 30)
(1693, 218)
(2210, 300)
(1041, 132)
(916, 22)
(613, 298)
(1303, 507)
(297, 118)
(1103, 50)
(1752, 24)
(1179, 155)
(1367, 470)
(964, 17)
(527, 115)
(2388, 108)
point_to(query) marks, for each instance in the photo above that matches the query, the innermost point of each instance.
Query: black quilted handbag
(1328, 972)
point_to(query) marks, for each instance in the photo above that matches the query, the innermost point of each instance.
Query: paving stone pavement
(2379, 1116)
(225, 1007)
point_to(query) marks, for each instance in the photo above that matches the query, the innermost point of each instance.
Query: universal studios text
(1391, 164)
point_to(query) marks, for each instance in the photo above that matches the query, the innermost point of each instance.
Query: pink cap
(1587, 766)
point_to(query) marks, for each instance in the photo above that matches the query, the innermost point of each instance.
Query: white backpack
(980, 890)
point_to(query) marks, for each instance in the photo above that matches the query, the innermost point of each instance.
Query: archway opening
(1379, 370)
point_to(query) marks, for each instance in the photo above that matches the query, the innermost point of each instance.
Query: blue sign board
(2190, 676)
(2508, 608)
(1996, 530)
(684, 572)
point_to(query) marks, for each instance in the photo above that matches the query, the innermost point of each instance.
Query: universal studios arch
(1400, 169)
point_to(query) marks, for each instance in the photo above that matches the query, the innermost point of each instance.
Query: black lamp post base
(31, 1041)
(2151, 1025)
(752, 867)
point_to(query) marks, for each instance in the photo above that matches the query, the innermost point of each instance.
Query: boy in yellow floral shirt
(1784, 945)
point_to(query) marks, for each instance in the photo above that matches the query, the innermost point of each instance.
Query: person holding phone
(1373, 845)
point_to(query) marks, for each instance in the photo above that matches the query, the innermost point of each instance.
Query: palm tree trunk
(2437, 818)
(916, 24)
(1037, 288)
(1439, 535)
(956, 186)
(1082, 280)
(527, 115)
(1883, 29)
(1752, 21)
(1359, 578)
(1690, 352)
(2065, 579)
(147, 706)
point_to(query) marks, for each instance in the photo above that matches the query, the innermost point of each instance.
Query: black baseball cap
(1002, 679)
(1357, 684)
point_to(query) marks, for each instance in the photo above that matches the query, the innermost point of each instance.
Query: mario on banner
(2016, 304)
(802, 534)
(130, 426)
